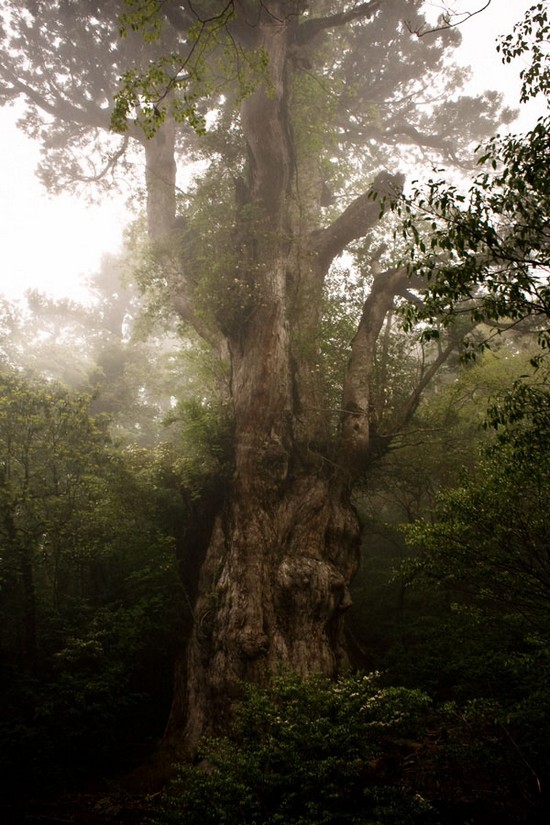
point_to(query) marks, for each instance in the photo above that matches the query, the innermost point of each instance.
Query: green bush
(307, 753)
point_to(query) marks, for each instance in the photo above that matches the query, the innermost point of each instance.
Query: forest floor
(116, 808)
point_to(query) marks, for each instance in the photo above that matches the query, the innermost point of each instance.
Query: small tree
(485, 548)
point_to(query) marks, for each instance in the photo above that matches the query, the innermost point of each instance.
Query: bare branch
(446, 18)
(110, 164)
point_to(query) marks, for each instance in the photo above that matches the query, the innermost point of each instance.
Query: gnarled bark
(273, 591)
(274, 585)
(283, 549)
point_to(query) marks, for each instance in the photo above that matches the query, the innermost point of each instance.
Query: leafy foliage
(438, 450)
(86, 589)
(531, 36)
(495, 529)
(485, 253)
(175, 84)
(309, 752)
(485, 548)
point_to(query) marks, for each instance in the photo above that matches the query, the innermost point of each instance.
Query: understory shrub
(309, 752)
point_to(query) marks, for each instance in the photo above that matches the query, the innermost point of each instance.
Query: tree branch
(312, 27)
(355, 432)
(184, 309)
(110, 164)
(418, 138)
(414, 400)
(61, 108)
(446, 18)
(356, 220)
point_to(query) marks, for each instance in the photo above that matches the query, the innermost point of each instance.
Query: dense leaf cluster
(306, 753)
(486, 254)
(86, 591)
(530, 35)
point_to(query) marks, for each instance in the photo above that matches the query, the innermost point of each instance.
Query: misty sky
(52, 244)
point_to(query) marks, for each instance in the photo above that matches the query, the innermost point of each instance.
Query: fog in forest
(275, 412)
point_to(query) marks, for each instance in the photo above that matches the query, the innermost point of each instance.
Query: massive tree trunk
(273, 588)
(282, 548)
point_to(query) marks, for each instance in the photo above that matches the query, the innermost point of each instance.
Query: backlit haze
(53, 243)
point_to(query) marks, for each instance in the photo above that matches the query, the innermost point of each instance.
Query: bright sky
(50, 243)
(53, 244)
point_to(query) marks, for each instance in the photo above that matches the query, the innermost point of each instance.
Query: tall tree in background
(133, 372)
(300, 104)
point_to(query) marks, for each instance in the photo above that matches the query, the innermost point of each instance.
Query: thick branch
(61, 107)
(264, 120)
(183, 307)
(355, 437)
(418, 138)
(311, 28)
(362, 214)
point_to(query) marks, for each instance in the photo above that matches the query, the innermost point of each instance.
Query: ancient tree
(310, 110)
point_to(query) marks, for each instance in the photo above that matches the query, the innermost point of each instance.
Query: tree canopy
(271, 139)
